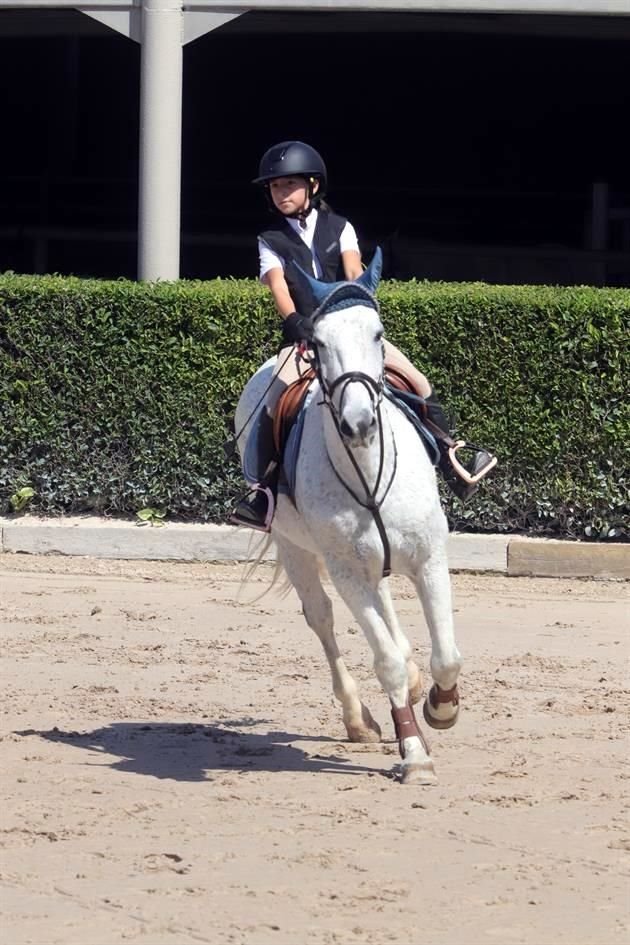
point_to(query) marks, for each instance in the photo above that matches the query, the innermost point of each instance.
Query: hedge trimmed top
(117, 396)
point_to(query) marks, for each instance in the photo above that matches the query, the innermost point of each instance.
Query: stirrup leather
(462, 472)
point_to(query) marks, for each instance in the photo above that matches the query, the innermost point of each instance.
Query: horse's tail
(279, 576)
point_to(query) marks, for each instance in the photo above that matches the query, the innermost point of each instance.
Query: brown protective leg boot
(462, 480)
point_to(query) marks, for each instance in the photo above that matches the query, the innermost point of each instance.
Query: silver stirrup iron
(271, 504)
(461, 471)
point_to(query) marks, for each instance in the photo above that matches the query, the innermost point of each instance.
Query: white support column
(162, 29)
(160, 139)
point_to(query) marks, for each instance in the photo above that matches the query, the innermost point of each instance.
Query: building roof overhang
(547, 7)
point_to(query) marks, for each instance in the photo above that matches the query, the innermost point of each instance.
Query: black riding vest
(284, 241)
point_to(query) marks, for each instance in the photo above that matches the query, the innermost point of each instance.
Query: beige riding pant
(290, 367)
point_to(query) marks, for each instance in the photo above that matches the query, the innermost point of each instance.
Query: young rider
(306, 230)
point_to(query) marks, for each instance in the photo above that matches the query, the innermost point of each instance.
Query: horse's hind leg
(303, 571)
(414, 679)
(441, 707)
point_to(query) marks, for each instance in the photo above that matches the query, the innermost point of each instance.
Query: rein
(231, 444)
(375, 390)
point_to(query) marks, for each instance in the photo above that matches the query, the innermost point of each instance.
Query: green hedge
(117, 396)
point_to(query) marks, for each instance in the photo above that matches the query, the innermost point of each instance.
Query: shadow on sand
(191, 752)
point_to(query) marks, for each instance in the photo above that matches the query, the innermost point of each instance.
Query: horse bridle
(375, 389)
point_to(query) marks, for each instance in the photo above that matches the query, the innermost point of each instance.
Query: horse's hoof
(419, 774)
(434, 704)
(368, 731)
(366, 736)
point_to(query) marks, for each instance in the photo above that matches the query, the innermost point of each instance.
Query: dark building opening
(470, 147)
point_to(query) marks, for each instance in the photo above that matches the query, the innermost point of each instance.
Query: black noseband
(374, 389)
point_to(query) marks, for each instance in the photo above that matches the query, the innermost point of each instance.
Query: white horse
(365, 491)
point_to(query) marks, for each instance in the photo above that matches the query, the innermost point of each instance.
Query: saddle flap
(288, 407)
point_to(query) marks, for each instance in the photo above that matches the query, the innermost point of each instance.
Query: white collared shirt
(270, 260)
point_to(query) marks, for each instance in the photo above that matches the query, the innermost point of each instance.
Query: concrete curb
(550, 558)
(107, 538)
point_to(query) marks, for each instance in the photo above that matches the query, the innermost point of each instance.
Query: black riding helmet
(293, 159)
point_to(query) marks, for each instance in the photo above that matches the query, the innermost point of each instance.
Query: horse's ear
(372, 275)
(319, 290)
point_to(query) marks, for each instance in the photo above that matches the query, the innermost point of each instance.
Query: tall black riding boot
(257, 507)
(462, 480)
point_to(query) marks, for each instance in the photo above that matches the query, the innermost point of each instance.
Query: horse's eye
(379, 334)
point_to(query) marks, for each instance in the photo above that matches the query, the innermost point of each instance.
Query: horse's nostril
(361, 429)
(366, 426)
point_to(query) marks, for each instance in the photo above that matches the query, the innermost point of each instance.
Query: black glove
(297, 328)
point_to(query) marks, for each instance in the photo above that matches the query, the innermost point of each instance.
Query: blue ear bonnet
(344, 295)
(334, 296)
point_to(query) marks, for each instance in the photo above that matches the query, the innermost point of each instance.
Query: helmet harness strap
(300, 215)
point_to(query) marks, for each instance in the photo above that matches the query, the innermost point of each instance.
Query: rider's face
(290, 194)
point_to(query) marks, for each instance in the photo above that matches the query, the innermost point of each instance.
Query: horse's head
(347, 341)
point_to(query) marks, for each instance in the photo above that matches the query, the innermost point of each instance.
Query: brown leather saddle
(291, 400)
(399, 380)
(288, 408)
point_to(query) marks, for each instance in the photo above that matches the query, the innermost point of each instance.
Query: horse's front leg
(433, 582)
(390, 665)
(303, 572)
(414, 679)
